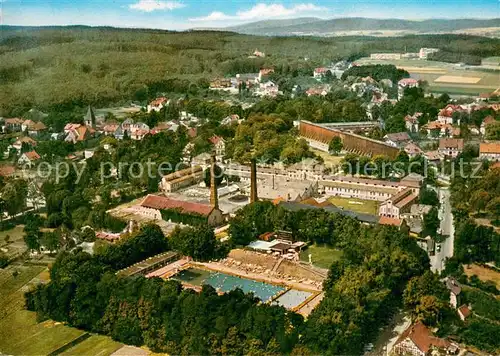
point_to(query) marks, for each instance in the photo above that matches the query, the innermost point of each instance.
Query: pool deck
(217, 267)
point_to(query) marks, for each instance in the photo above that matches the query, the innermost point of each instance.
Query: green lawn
(357, 205)
(21, 334)
(321, 256)
(94, 345)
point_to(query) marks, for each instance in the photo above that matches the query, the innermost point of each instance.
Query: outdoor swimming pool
(225, 282)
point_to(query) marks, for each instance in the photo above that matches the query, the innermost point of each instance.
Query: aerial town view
(188, 177)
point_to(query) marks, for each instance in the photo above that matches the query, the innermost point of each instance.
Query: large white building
(490, 151)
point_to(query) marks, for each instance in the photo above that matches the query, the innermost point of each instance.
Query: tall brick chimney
(253, 181)
(214, 199)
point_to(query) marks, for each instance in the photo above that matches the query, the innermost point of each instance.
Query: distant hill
(314, 26)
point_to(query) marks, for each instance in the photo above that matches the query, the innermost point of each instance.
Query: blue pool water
(225, 282)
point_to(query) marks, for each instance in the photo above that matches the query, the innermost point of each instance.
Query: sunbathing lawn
(357, 205)
(321, 256)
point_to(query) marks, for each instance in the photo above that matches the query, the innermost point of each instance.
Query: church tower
(89, 118)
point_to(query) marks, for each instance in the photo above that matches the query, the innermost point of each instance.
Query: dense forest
(60, 68)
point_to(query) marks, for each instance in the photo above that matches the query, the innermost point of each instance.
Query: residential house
(33, 128)
(320, 90)
(490, 151)
(250, 79)
(268, 88)
(411, 122)
(398, 204)
(220, 147)
(264, 74)
(28, 159)
(437, 129)
(451, 147)
(488, 120)
(138, 130)
(464, 312)
(320, 73)
(445, 115)
(398, 139)
(203, 160)
(412, 150)
(78, 133)
(231, 119)
(158, 104)
(406, 83)
(109, 129)
(418, 340)
(23, 140)
(221, 83)
(13, 124)
(433, 156)
(455, 289)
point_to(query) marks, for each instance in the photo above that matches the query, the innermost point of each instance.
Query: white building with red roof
(406, 83)
(451, 147)
(445, 115)
(411, 122)
(319, 73)
(28, 158)
(153, 205)
(219, 145)
(488, 120)
(489, 151)
(418, 340)
(158, 104)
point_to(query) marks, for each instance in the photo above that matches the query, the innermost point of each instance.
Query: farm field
(357, 205)
(16, 243)
(21, 334)
(94, 345)
(446, 77)
(321, 256)
(483, 273)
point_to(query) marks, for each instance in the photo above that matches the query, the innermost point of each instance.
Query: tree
(428, 197)
(395, 123)
(431, 222)
(199, 243)
(479, 200)
(335, 145)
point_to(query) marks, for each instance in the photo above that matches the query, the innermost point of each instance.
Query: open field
(321, 256)
(483, 273)
(458, 80)
(357, 205)
(21, 334)
(16, 243)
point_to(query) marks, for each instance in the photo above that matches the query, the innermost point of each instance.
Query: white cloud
(262, 12)
(154, 5)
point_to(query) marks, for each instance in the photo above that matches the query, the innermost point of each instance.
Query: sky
(186, 14)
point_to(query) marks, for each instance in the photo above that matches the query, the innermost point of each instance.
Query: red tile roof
(14, 121)
(6, 171)
(32, 155)
(465, 311)
(488, 120)
(449, 109)
(422, 337)
(446, 143)
(216, 139)
(407, 81)
(27, 140)
(158, 101)
(164, 203)
(321, 70)
(385, 220)
(490, 147)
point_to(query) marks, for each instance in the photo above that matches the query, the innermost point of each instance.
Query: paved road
(447, 229)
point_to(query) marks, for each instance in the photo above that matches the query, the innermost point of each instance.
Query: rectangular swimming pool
(224, 283)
